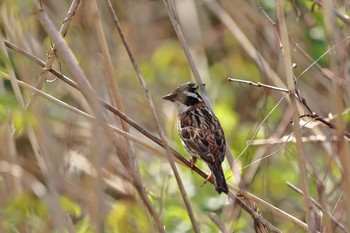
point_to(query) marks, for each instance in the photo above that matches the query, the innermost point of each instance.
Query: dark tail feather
(219, 179)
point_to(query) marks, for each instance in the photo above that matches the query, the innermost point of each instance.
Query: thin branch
(264, 204)
(255, 54)
(301, 99)
(221, 226)
(28, 179)
(288, 138)
(257, 217)
(339, 66)
(297, 130)
(172, 13)
(58, 221)
(60, 103)
(52, 51)
(112, 83)
(344, 18)
(156, 119)
(296, 189)
(259, 127)
(142, 130)
(88, 93)
(259, 84)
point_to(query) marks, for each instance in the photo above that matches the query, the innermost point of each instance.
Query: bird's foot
(193, 160)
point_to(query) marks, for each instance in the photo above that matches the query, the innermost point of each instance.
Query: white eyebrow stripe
(194, 95)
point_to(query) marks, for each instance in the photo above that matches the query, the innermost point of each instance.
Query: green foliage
(228, 118)
(33, 213)
(167, 61)
(11, 111)
(240, 108)
(25, 210)
(127, 216)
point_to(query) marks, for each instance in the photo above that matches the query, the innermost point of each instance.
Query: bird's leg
(193, 160)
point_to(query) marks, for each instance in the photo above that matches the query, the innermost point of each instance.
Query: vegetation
(88, 145)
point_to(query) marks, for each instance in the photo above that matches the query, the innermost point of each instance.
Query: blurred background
(57, 163)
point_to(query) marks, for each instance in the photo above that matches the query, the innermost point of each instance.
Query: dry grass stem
(95, 136)
(51, 55)
(178, 156)
(318, 205)
(156, 119)
(296, 127)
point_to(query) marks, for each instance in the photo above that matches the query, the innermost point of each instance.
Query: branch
(178, 156)
(156, 119)
(334, 220)
(169, 5)
(259, 84)
(296, 127)
(52, 51)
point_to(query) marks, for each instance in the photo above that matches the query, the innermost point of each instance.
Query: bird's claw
(193, 160)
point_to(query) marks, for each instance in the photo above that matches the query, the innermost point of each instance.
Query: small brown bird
(200, 131)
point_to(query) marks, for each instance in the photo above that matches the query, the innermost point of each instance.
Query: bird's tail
(219, 178)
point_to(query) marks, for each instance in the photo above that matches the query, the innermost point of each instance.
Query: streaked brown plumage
(200, 131)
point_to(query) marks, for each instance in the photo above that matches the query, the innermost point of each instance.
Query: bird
(200, 131)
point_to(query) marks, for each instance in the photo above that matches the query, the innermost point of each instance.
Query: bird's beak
(169, 97)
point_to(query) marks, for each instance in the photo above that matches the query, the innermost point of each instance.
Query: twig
(344, 18)
(142, 130)
(339, 67)
(52, 51)
(59, 222)
(301, 99)
(288, 138)
(297, 131)
(317, 117)
(114, 91)
(90, 96)
(170, 6)
(28, 179)
(260, 153)
(60, 103)
(94, 103)
(252, 212)
(263, 204)
(319, 207)
(111, 77)
(257, 57)
(259, 84)
(221, 226)
(155, 116)
(259, 127)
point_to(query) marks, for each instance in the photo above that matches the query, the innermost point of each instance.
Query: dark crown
(187, 94)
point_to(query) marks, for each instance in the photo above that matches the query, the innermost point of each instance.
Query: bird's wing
(220, 144)
(209, 146)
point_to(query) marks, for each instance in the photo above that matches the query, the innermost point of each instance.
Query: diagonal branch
(156, 119)
(296, 127)
(182, 159)
(170, 6)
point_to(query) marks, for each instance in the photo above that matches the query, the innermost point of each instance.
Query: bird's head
(185, 96)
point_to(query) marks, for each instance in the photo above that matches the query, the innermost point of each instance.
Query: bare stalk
(218, 223)
(51, 55)
(55, 209)
(318, 205)
(169, 4)
(340, 90)
(178, 156)
(296, 126)
(155, 116)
